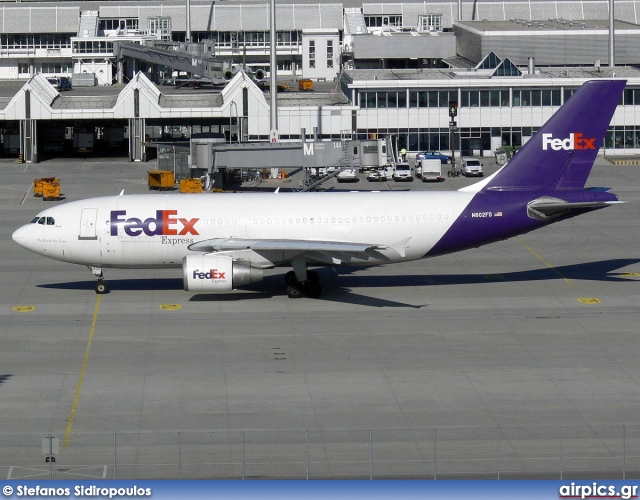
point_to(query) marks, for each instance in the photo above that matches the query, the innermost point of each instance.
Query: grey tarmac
(514, 360)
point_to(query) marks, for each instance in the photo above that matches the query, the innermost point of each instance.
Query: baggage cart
(161, 179)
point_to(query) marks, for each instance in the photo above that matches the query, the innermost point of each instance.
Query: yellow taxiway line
(545, 261)
(85, 362)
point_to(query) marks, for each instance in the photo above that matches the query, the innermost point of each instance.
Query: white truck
(431, 170)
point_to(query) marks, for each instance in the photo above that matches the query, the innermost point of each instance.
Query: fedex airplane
(224, 241)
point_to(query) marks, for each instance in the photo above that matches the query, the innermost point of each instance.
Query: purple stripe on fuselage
(495, 216)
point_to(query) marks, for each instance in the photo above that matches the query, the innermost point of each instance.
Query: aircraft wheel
(290, 278)
(294, 291)
(101, 287)
(313, 289)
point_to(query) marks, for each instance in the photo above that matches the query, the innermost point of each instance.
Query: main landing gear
(101, 284)
(309, 287)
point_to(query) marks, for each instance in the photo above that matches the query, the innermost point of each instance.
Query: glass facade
(473, 139)
(114, 24)
(92, 47)
(49, 67)
(627, 137)
(395, 99)
(484, 98)
(379, 20)
(432, 98)
(430, 22)
(36, 41)
(536, 97)
(237, 39)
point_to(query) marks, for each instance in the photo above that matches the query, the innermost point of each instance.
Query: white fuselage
(149, 231)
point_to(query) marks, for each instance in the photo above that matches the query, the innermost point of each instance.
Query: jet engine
(217, 273)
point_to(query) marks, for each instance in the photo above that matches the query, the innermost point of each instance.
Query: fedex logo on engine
(211, 274)
(165, 223)
(573, 142)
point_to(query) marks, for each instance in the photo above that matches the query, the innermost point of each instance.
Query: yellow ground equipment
(191, 185)
(305, 85)
(161, 179)
(47, 187)
(51, 190)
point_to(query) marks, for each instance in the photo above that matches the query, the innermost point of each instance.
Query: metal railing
(611, 452)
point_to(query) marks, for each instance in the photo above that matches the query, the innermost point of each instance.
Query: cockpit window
(49, 221)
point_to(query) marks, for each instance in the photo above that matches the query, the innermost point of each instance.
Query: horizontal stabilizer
(549, 207)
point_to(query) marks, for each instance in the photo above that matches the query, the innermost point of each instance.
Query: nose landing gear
(101, 285)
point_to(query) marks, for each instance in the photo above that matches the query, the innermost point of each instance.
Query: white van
(402, 172)
(471, 167)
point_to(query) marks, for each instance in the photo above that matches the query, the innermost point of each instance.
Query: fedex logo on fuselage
(573, 142)
(165, 223)
(211, 274)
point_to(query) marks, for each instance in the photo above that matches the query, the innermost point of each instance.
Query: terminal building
(378, 69)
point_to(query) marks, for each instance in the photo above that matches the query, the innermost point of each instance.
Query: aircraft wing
(331, 252)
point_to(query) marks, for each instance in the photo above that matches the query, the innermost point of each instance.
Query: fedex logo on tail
(571, 143)
(165, 223)
(212, 274)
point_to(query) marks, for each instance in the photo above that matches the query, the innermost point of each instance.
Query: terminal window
(379, 20)
(430, 22)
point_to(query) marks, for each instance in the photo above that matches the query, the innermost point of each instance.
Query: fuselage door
(88, 224)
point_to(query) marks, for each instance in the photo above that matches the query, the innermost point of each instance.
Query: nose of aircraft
(19, 236)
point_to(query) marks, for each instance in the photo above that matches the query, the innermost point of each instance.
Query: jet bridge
(210, 157)
(195, 64)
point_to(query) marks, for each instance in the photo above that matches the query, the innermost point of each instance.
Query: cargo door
(88, 224)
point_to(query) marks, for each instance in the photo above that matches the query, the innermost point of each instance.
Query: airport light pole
(612, 56)
(273, 87)
(188, 30)
(453, 112)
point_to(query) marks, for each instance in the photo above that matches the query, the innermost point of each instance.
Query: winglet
(121, 193)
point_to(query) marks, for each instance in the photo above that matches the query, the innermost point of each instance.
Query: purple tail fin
(560, 155)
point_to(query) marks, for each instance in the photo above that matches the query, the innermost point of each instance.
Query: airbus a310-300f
(224, 241)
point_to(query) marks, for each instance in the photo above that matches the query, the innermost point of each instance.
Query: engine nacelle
(217, 273)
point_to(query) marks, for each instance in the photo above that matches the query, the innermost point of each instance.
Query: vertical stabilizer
(560, 155)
